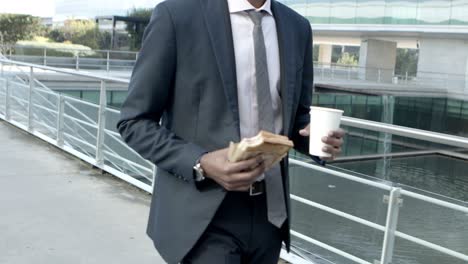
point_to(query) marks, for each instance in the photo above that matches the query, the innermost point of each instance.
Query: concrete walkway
(55, 209)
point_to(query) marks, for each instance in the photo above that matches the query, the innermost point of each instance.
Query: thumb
(304, 132)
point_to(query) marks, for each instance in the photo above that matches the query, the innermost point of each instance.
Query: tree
(77, 31)
(18, 27)
(315, 52)
(406, 62)
(136, 30)
(347, 59)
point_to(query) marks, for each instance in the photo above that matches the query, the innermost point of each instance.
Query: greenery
(406, 62)
(36, 47)
(136, 32)
(315, 52)
(347, 59)
(15, 27)
(77, 31)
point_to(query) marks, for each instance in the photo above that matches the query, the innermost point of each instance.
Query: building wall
(443, 55)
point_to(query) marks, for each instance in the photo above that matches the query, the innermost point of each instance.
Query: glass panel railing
(435, 224)
(446, 115)
(340, 194)
(432, 173)
(45, 104)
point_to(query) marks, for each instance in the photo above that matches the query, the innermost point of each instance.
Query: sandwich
(271, 146)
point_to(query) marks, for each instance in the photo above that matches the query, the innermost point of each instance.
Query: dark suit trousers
(238, 234)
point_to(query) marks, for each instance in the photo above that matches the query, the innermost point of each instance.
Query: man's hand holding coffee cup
(334, 141)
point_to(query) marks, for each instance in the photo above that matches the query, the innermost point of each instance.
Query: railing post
(394, 203)
(77, 64)
(30, 99)
(60, 120)
(136, 55)
(108, 61)
(101, 126)
(153, 182)
(379, 75)
(406, 77)
(45, 56)
(7, 99)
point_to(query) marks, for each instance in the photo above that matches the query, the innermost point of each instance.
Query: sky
(47, 8)
(43, 8)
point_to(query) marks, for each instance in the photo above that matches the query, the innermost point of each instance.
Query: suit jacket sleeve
(149, 93)
(302, 118)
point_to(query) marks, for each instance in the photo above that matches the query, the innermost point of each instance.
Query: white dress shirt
(242, 29)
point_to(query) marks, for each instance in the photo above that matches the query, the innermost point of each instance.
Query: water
(433, 173)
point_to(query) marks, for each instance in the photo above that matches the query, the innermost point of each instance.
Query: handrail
(75, 49)
(67, 71)
(348, 66)
(414, 133)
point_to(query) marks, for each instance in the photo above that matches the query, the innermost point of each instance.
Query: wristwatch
(198, 173)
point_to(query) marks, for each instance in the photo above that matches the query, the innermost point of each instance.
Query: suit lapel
(287, 62)
(218, 23)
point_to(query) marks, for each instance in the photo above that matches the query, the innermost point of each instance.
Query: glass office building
(395, 12)
(91, 9)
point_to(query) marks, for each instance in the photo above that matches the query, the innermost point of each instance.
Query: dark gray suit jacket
(185, 76)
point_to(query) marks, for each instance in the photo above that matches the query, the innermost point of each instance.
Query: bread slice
(273, 147)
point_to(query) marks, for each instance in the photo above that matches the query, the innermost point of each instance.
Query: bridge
(58, 209)
(74, 175)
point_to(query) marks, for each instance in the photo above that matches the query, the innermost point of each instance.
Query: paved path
(55, 209)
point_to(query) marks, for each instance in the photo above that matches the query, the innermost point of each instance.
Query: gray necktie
(273, 181)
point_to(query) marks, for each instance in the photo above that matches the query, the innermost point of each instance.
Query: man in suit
(215, 71)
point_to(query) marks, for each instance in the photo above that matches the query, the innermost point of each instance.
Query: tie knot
(256, 17)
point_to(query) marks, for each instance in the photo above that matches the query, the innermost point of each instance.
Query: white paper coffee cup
(322, 121)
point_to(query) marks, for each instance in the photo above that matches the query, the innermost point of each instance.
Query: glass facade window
(409, 12)
(370, 12)
(90, 8)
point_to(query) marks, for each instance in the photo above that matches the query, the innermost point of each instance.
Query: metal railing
(340, 72)
(125, 60)
(87, 131)
(75, 58)
(83, 129)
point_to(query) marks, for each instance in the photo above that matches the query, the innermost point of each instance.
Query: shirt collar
(236, 6)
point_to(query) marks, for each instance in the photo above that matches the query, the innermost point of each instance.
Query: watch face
(199, 174)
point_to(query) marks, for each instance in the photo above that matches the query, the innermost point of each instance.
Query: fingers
(333, 141)
(245, 165)
(332, 150)
(305, 132)
(242, 181)
(339, 133)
